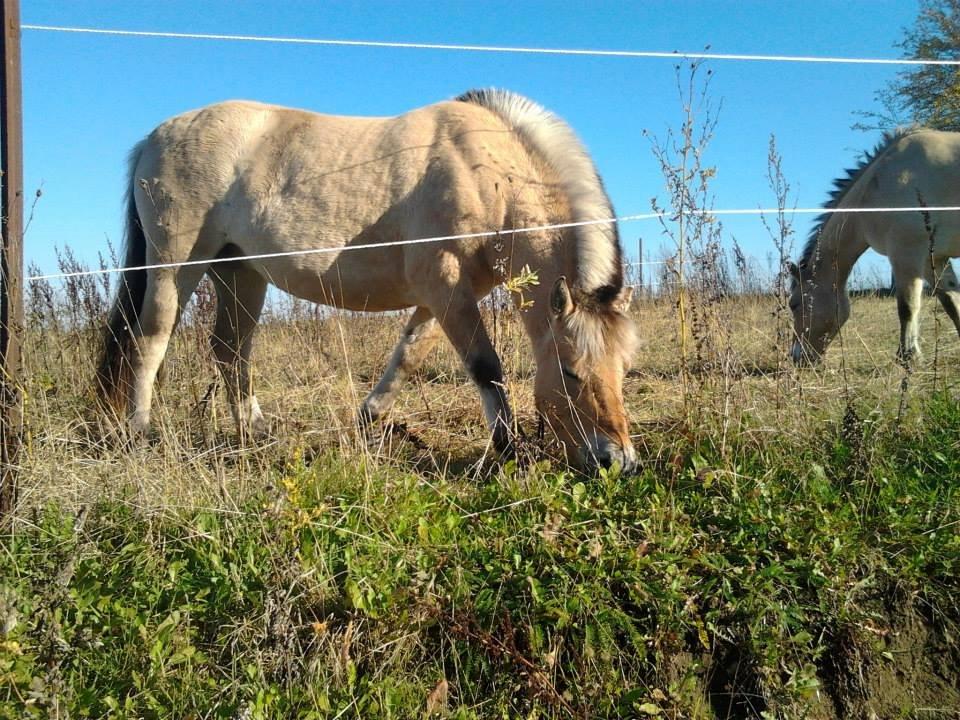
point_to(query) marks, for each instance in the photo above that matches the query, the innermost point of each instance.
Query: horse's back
(922, 166)
(267, 179)
(271, 148)
(236, 135)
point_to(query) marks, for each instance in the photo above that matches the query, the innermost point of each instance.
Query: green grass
(719, 582)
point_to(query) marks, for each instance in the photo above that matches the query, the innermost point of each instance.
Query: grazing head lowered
(581, 363)
(881, 203)
(246, 212)
(819, 311)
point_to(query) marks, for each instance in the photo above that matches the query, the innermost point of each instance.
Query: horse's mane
(842, 185)
(599, 257)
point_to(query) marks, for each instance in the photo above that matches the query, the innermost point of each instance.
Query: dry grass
(312, 370)
(326, 573)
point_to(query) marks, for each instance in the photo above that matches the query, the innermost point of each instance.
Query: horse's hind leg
(168, 290)
(418, 338)
(240, 295)
(947, 289)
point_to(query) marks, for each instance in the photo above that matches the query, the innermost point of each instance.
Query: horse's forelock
(597, 333)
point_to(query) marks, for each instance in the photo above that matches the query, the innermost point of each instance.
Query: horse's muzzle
(606, 454)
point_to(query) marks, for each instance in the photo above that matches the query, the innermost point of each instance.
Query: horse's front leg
(909, 298)
(460, 319)
(418, 338)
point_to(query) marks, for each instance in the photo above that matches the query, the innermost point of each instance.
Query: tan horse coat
(913, 168)
(241, 179)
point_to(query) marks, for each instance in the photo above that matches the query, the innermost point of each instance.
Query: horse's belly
(356, 283)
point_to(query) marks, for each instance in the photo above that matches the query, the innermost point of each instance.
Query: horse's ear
(794, 270)
(561, 302)
(623, 299)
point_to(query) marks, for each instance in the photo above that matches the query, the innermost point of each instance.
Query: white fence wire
(674, 55)
(491, 49)
(500, 233)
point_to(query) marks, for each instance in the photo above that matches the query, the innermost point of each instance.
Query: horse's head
(819, 310)
(581, 361)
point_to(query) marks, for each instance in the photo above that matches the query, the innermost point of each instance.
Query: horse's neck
(840, 246)
(547, 261)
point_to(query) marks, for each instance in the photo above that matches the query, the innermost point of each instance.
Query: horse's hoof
(909, 359)
(258, 430)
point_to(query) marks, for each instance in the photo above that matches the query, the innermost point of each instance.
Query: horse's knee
(485, 369)
(224, 352)
(905, 309)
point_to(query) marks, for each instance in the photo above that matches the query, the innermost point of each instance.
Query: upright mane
(842, 185)
(599, 257)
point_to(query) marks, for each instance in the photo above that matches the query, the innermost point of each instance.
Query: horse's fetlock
(249, 418)
(503, 441)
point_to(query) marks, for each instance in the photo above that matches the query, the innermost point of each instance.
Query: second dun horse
(914, 168)
(300, 192)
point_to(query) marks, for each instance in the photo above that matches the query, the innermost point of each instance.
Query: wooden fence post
(642, 288)
(11, 258)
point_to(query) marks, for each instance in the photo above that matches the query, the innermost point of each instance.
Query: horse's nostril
(602, 458)
(606, 456)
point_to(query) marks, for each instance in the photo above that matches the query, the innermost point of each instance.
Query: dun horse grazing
(909, 168)
(241, 179)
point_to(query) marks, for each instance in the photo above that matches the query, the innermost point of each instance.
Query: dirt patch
(901, 665)
(897, 664)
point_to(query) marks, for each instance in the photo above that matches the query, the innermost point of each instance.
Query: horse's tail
(114, 368)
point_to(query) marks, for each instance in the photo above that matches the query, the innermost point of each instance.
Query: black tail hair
(113, 370)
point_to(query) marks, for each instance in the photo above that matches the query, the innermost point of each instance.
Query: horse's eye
(569, 373)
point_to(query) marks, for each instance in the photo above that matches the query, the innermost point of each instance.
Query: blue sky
(88, 99)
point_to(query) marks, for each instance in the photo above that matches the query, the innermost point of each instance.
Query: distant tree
(924, 94)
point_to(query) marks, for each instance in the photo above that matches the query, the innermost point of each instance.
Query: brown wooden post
(11, 258)
(641, 290)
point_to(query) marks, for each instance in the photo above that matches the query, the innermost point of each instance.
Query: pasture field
(790, 547)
